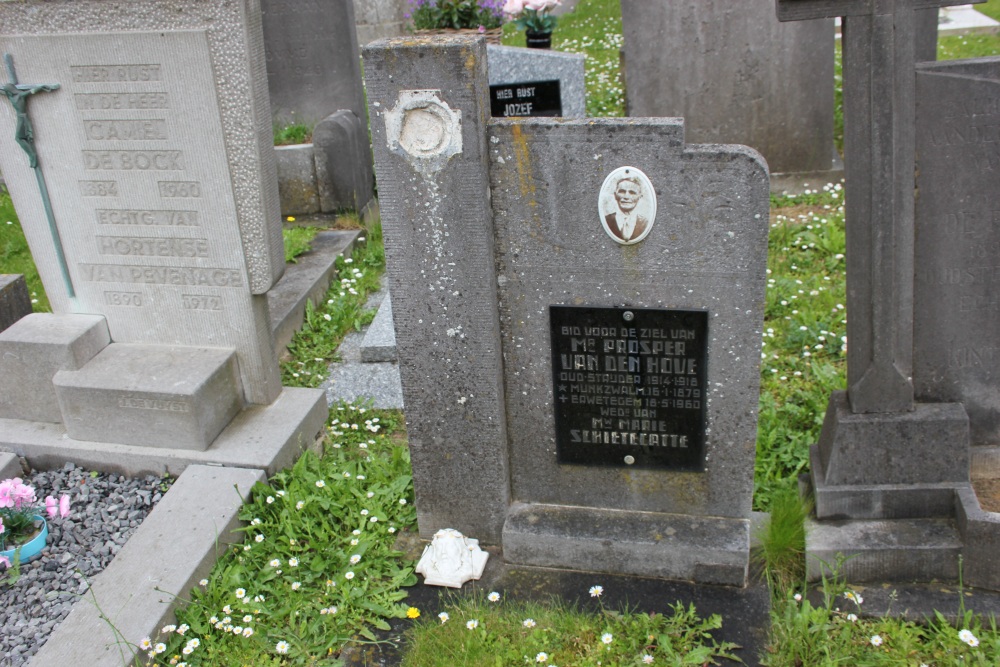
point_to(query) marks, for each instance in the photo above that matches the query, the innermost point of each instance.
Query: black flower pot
(539, 40)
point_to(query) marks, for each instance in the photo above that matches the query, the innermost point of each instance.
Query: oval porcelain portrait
(627, 205)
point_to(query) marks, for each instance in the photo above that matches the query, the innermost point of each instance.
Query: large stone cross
(879, 38)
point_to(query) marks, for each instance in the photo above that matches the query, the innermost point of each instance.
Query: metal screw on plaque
(630, 460)
(628, 316)
(24, 134)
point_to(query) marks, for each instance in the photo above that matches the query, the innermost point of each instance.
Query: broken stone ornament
(451, 559)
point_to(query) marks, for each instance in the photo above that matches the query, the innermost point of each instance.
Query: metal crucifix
(24, 134)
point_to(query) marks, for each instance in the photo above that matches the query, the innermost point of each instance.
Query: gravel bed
(105, 511)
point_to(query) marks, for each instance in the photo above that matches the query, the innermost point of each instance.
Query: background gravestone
(313, 65)
(488, 224)
(508, 64)
(957, 241)
(735, 75)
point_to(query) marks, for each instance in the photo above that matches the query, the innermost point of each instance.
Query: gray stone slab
(308, 279)
(10, 466)
(378, 19)
(378, 382)
(666, 546)
(981, 536)
(928, 445)
(168, 554)
(151, 396)
(313, 68)
(297, 179)
(884, 551)
(510, 64)
(428, 193)
(345, 178)
(735, 75)
(268, 437)
(33, 350)
(157, 151)
(956, 306)
(379, 343)
(15, 302)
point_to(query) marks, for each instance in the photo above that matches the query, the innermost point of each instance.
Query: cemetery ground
(325, 562)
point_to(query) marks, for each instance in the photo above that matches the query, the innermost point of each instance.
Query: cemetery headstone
(956, 310)
(137, 148)
(736, 75)
(551, 81)
(520, 282)
(883, 456)
(313, 66)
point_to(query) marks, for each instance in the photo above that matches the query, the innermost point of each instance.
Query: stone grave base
(708, 550)
(267, 437)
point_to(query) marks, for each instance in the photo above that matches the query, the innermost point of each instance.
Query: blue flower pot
(31, 549)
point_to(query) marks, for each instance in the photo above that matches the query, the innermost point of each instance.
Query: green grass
(292, 134)
(317, 566)
(491, 631)
(990, 8)
(297, 241)
(15, 256)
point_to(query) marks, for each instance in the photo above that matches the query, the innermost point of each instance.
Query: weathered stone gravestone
(578, 307)
(560, 73)
(955, 304)
(145, 184)
(892, 461)
(735, 75)
(313, 65)
(314, 78)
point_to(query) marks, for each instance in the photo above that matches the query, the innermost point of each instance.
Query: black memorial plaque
(533, 98)
(629, 386)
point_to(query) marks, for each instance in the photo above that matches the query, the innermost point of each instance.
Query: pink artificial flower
(6, 492)
(51, 506)
(22, 494)
(541, 5)
(64, 506)
(2, 527)
(5, 561)
(482, 29)
(513, 7)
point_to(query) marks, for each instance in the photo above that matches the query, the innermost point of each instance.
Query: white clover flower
(160, 648)
(247, 632)
(320, 483)
(355, 532)
(607, 638)
(493, 597)
(402, 501)
(355, 559)
(392, 529)
(299, 505)
(361, 477)
(364, 512)
(281, 647)
(347, 475)
(542, 657)
(374, 519)
(226, 620)
(529, 623)
(596, 591)
(167, 629)
(853, 618)
(472, 625)
(248, 618)
(293, 562)
(967, 637)
(237, 630)
(256, 522)
(281, 494)
(354, 542)
(444, 616)
(876, 640)
(270, 499)
(275, 562)
(797, 597)
(647, 659)
(349, 576)
(203, 582)
(296, 585)
(227, 610)
(187, 650)
(146, 644)
(182, 628)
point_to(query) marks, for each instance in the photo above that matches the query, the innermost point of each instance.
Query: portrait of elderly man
(626, 210)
